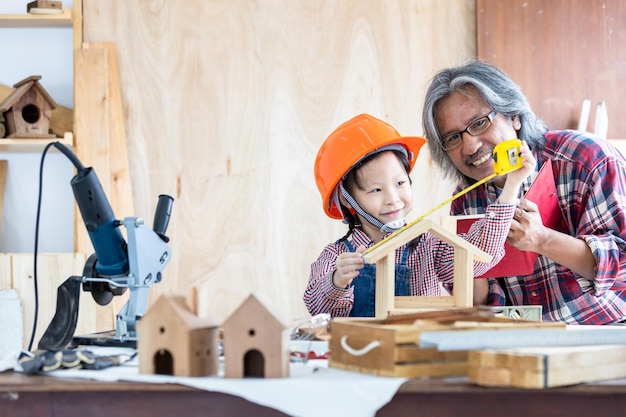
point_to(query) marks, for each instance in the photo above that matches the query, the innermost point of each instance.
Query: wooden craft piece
(61, 118)
(464, 255)
(27, 110)
(172, 340)
(256, 341)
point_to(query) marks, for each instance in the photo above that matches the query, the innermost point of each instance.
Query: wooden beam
(463, 278)
(100, 138)
(385, 286)
(545, 367)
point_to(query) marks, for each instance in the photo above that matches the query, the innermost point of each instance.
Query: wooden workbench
(46, 396)
(22, 395)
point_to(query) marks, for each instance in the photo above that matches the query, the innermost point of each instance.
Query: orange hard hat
(350, 143)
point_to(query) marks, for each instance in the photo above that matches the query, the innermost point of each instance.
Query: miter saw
(116, 266)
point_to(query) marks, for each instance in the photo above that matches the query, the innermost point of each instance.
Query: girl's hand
(347, 267)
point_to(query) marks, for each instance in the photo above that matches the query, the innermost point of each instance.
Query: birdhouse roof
(254, 303)
(166, 306)
(395, 241)
(21, 88)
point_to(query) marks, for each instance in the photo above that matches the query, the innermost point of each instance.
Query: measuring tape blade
(505, 159)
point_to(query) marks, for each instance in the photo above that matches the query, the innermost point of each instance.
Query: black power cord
(67, 152)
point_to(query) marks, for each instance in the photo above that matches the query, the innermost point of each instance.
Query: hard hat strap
(385, 228)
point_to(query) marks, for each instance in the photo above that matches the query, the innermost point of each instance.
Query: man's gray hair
(498, 90)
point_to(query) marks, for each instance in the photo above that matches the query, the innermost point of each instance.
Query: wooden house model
(43, 4)
(256, 342)
(383, 255)
(173, 340)
(27, 110)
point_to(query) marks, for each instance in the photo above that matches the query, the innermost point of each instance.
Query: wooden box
(373, 347)
(391, 347)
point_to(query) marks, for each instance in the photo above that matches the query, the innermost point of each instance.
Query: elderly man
(580, 274)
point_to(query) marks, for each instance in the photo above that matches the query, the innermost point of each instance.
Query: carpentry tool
(506, 158)
(114, 267)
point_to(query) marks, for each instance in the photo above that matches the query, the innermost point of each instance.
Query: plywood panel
(561, 52)
(226, 103)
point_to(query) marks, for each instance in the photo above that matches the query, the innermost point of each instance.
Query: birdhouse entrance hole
(254, 364)
(163, 363)
(31, 113)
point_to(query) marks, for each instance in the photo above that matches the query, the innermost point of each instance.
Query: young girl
(362, 172)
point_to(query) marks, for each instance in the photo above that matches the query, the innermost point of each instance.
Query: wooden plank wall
(226, 103)
(561, 52)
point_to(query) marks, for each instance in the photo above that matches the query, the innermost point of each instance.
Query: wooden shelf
(28, 20)
(33, 145)
(32, 20)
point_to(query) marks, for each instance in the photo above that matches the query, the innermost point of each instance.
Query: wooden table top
(48, 396)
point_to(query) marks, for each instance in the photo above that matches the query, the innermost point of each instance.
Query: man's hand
(528, 233)
(527, 229)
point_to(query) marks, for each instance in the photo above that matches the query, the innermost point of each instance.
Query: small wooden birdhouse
(43, 4)
(172, 340)
(384, 256)
(27, 110)
(256, 342)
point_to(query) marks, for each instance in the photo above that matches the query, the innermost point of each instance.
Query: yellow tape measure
(506, 158)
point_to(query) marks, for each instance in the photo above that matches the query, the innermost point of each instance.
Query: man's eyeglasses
(477, 127)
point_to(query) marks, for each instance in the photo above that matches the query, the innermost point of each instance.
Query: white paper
(10, 329)
(312, 389)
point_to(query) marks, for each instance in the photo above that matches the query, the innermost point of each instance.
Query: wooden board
(545, 367)
(431, 369)
(3, 179)
(118, 177)
(556, 66)
(99, 130)
(100, 137)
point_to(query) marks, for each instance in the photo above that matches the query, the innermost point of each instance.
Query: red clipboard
(516, 262)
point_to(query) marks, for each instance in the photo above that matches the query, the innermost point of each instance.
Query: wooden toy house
(256, 342)
(172, 340)
(383, 255)
(27, 110)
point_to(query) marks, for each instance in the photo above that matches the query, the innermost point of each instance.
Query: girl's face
(473, 157)
(383, 190)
